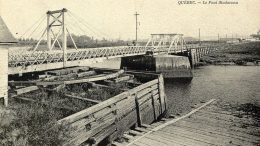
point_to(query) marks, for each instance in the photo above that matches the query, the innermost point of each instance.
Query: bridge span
(36, 59)
(31, 61)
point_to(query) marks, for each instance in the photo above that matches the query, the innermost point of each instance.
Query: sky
(115, 18)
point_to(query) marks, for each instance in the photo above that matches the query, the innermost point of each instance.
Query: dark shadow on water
(178, 95)
(178, 80)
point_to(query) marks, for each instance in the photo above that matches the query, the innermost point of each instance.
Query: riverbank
(234, 54)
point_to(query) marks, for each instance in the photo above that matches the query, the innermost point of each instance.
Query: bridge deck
(211, 125)
(30, 61)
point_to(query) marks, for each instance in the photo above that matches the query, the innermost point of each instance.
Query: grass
(31, 124)
(34, 123)
(238, 54)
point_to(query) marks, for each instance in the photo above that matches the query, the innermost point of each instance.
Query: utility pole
(226, 38)
(232, 38)
(199, 37)
(218, 37)
(136, 25)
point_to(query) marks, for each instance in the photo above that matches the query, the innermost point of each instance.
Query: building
(230, 40)
(6, 40)
(256, 37)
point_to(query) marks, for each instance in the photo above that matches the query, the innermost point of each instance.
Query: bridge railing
(23, 59)
(26, 58)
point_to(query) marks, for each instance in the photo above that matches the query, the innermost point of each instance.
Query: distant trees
(82, 41)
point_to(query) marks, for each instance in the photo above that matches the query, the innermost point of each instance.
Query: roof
(5, 34)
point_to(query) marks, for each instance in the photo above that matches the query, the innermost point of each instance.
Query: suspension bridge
(57, 54)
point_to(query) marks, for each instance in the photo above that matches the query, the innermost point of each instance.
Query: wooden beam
(21, 83)
(26, 90)
(93, 84)
(84, 74)
(81, 98)
(91, 79)
(121, 79)
(92, 109)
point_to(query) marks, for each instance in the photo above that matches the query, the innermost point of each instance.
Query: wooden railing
(111, 118)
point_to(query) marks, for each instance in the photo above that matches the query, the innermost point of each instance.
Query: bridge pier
(171, 66)
(196, 53)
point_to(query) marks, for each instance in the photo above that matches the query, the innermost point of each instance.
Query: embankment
(235, 54)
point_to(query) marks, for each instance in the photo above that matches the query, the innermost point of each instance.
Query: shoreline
(246, 54)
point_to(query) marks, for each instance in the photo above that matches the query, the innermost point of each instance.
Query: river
(228, 84)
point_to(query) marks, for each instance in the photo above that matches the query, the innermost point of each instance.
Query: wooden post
(154, 108)
(48, 31)
(139, 120)
(64, 43)
(163, 106)
(161, 82)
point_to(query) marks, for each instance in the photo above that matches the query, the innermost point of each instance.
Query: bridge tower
(57, 19)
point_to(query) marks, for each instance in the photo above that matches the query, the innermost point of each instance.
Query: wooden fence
(111, 118)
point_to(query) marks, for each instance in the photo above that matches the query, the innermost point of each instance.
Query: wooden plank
(94, 108)
(139, 144)
(141, 87)
(174, 138)
(129, 137)
(21, 83)
(218, 130)
(93, 84)
(163, 140)
(126, 122)
(59, 87)
(133, 132)
(209, 137)
(141, 129)
(226, 117)
(84, 74)
(93, 117)
(102, 135)
(125, 106)
(117, 143)
(151, 142)
(122, 79)
(51, 78)
(146, 126)
(225, 125)
(81, 98)
(67, 71)
(91, 79)
(173, 121)
(146, 90)
(26, 90)
(84, 135)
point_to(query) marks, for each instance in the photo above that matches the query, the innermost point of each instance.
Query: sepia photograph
(129, 73)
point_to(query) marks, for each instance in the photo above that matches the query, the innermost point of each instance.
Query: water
(228, 84)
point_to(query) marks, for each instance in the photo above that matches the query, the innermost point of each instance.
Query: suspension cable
(36, 28)
(32, 26)
(87, 25)
(78, 23)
